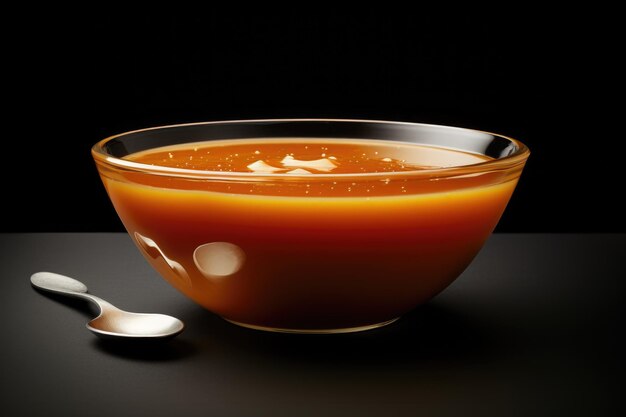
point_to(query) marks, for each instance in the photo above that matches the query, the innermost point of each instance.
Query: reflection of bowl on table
(309, 225)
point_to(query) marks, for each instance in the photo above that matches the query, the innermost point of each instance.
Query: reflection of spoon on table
(111, 323)
(150, 247)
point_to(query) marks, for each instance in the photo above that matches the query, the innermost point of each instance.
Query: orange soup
(318, 233)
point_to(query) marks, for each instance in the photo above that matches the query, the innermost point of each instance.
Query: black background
(546, 79)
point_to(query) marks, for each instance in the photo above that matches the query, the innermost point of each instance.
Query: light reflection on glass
(218, 259)
(151, 248)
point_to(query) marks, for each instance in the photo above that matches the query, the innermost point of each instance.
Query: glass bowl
(307, 248)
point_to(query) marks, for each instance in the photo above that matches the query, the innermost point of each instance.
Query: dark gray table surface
(531, 328)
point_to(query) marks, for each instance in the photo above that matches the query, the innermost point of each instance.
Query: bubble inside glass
(313, 226)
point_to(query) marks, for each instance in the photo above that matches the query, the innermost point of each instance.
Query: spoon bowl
(137, 325)
(112, 322)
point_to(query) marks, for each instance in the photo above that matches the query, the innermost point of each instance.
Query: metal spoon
(111, 322)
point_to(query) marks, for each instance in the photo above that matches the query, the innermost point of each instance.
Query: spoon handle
(60, 284)
(57, 283)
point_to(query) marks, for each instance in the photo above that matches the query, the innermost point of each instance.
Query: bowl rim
(517, 158)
